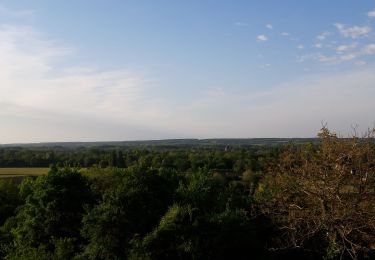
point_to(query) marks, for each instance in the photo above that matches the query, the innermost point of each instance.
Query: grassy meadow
(21, 172)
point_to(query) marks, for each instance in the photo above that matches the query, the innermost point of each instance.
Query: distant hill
(172, 142)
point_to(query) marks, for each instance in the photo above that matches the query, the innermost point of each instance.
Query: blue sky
(124, 70)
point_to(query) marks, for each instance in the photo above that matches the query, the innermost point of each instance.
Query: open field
(21, 172)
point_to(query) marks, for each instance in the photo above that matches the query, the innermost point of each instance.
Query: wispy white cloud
(262, 38)
(318, 45)
(369, 49)
(345, 53)
(326, 59)
(303, 58)
(323, 36)
(349, 56)
(34, 82)
(300, 46)
(346, 47)
(27, 65)
(269, 26)
(371, 14)
(353, 32)
(285, 34)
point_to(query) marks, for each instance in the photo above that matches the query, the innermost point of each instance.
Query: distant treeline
(214, 157)
(169, 143)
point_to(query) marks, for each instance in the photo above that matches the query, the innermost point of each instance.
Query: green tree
(9, 199)
(52, 214)
(133, 206)
(185, 234)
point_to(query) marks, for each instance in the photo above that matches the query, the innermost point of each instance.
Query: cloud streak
(347, 53)
(346, 47)
(371, 14)
(323, 36)
(262, 38)
(31, 76)
(353, 32)
(33, 82)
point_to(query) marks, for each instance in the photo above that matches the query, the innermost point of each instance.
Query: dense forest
(122, 154)
(178, 157)
(304, 200)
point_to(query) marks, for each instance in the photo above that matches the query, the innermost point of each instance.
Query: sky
(92, 70)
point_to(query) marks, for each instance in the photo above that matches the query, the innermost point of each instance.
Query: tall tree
(51, 218)
(323, 198)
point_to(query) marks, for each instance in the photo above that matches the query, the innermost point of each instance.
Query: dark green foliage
(9, 199)
(229, 235)
(206, 223)
(171, 239)
(51, 216)
(185, 234)
(202, 192)
(133, 206)
(217, 157)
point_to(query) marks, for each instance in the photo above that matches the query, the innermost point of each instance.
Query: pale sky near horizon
(90, 70)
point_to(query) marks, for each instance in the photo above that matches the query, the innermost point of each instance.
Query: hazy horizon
(152, 140)
(78, 71)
